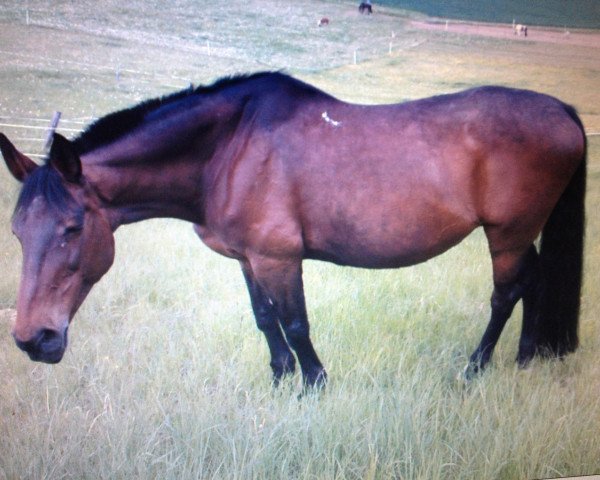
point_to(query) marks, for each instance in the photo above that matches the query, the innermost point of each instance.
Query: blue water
(558, 13)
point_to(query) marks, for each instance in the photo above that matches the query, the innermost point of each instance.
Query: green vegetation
(558, 13)
(166, 375)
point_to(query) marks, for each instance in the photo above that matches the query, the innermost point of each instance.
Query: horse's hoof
(470, 372)
(315, 382)
(525, 354)
(312, 391)
(524, 361)
(282, 370)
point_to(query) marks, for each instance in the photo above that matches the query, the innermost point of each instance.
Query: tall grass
(166, 375)
(163, 381)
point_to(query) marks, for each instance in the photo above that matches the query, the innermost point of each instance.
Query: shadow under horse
(272, 171)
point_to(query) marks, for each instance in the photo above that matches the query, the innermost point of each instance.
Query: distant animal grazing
(272, 171)
(323, 22)
(520, 30)
(365, 7)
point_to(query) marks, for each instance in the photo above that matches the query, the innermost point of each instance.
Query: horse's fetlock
(284, 365)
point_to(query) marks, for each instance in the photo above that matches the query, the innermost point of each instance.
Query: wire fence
(31, 132)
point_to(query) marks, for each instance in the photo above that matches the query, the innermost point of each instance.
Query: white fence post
(51, 130)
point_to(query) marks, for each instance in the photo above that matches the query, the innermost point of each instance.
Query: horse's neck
(137, 178)
(130, 193)
(157, 172)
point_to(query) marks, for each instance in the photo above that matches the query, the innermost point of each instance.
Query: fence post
(50, 132)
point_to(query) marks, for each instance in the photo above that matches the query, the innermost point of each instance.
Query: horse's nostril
(46, 346)
(48, 340)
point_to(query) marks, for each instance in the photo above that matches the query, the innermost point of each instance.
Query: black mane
(115, 125)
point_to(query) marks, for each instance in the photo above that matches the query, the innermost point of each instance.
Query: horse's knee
(266, 320)
(297, 331)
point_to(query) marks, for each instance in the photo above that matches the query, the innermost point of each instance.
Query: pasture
(166, 375)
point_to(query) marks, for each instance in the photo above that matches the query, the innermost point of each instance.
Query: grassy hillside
(558, 13)
(166, 375)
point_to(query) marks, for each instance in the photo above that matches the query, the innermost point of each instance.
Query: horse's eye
(72, 230)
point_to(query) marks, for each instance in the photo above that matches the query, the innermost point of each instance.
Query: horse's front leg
(282, 283)
(282, 359)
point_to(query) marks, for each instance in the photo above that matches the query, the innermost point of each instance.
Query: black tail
(561, 260)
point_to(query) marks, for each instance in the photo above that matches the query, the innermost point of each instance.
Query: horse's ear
(64, 159)
(20, 165)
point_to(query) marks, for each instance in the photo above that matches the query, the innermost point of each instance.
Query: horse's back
(393, 185)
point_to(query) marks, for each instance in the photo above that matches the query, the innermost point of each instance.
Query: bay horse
(271, 171)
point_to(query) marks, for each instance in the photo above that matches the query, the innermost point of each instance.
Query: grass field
(166, 375)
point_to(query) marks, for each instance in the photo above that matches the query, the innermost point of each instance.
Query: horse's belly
(383, 244)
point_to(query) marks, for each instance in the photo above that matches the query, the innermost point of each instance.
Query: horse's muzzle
(46, 346)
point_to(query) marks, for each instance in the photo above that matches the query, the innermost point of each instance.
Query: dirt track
(535, 34)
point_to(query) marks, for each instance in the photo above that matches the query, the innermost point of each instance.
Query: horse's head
(67, 245)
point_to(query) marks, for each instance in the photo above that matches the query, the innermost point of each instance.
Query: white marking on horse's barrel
(330, 120)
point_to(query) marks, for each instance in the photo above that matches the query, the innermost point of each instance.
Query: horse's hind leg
(514, 278)
(531, 312)
(282, 359)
